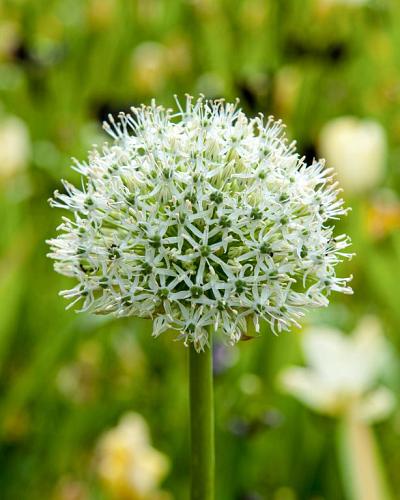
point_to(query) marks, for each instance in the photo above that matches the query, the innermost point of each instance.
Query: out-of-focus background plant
(93, 408)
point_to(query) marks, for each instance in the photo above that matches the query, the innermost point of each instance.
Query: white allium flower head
(201, 218)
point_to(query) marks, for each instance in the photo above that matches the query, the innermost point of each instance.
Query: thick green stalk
(361, 466)
(201, 424)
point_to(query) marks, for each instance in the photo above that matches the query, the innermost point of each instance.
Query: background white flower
(127, 463)
(200, 218)
(356, 149)
(14, 146)
(343, 372)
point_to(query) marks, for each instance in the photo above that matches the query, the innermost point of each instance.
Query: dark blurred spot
(255, 91)
(300, 49)
(41, 56)
(247, 95)
(239, 427)
(101, 110)
(337, 52)
(250, 495)
(223, 358)
(309, 152)
(36, 61)
(22, 54)
(272, 419)
(296, 49)
(245, 427)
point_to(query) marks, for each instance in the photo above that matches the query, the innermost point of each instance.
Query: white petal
(306, 386)
(328, 351)
(377, 405)
(370, 350)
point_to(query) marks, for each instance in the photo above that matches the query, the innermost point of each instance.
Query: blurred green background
(67, 379)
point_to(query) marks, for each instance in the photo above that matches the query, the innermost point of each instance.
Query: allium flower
(356, 150)
(127, 463)
(343, 373)
(200, 218)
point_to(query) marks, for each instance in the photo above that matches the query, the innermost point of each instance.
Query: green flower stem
(361, 466)
(201, 424)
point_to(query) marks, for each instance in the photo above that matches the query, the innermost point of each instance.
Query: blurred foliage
(66, 379)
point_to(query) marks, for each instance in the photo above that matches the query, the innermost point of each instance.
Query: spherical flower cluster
(201, 218)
